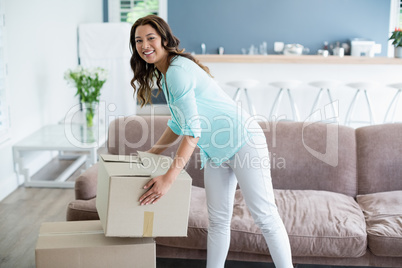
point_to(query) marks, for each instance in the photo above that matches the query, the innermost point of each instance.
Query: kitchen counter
(304, 59)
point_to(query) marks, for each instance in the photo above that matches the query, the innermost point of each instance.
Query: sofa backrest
(312, 156)
(379, 152)
(303, 156)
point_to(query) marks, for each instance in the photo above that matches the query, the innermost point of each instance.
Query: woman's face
(148, 44)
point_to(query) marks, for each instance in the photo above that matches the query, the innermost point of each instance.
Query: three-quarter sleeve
(174, 127)
(181, 84)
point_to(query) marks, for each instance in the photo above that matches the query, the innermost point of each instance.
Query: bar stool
(395, 100)
(325, 86)
(285, 85)
(361, 87)
(243, 85)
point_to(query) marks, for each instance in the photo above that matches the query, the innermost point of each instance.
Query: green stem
(90, 113)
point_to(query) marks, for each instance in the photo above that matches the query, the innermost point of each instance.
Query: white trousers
(250, 168)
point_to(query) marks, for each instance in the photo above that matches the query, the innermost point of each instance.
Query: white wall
(41, 45)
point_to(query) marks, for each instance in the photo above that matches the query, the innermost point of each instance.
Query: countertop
(303, 59)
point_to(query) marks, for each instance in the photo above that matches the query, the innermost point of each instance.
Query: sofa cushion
(383, 212)
(322, 223)
(82, 210)
(319, 223)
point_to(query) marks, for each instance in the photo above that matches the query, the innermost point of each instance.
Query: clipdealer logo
(330, 156)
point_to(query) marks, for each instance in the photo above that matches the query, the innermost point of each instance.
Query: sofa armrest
(82, 210)
(86, 184)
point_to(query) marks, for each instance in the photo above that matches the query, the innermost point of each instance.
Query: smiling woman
(149, 46)
(151, 38)
(208, 118)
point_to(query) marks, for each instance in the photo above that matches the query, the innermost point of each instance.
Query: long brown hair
(143, 72)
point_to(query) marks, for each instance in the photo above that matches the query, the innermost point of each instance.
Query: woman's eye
(151, 38)
(138, 41)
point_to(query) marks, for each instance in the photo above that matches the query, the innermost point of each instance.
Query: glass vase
(90, 111)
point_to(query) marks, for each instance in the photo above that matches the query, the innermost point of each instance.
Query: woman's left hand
(159, 186)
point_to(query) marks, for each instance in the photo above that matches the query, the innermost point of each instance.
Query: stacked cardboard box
(110, 242)
(82, 244)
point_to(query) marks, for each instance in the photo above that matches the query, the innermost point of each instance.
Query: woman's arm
(165, 141)
(183, 155)
(161, 184)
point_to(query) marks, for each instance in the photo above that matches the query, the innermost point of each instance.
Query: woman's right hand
(149, 151)
(152, 151)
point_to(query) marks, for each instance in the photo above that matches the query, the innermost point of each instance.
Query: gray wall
(236, 24)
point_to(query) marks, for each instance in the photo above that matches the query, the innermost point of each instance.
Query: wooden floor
(21, 216)
(22, 213)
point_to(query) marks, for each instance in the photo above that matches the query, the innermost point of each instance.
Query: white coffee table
(64, 138)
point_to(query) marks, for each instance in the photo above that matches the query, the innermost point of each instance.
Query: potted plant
(88, 83)
(397, 42)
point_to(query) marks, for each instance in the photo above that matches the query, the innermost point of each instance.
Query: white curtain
(106, 45)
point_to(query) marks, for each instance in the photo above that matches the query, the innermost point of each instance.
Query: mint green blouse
(200, 108)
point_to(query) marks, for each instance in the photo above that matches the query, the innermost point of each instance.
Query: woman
(229, 142)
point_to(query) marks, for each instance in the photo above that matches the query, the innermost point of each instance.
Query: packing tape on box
(148, 223)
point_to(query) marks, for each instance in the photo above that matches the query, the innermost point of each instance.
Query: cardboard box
(83, 244)
(120, 185)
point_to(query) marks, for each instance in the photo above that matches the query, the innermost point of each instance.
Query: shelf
(304, 59)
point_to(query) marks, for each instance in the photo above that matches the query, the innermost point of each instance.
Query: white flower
(88, 81)
(67, 76)
(92, 75)
(102, 74)
(79, 69)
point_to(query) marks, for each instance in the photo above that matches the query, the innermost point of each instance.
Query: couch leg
(295, 265)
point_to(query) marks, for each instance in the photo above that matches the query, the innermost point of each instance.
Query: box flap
(124, 165)
(75, 234)
(143, 165)
(70, 227)
(157, 159)
(120, 158)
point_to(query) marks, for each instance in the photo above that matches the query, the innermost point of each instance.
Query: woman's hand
(159, 186)
(151, 151)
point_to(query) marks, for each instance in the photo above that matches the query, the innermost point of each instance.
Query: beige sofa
(338, 190)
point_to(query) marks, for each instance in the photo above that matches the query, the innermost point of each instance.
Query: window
(131, 10)
(4, 102)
